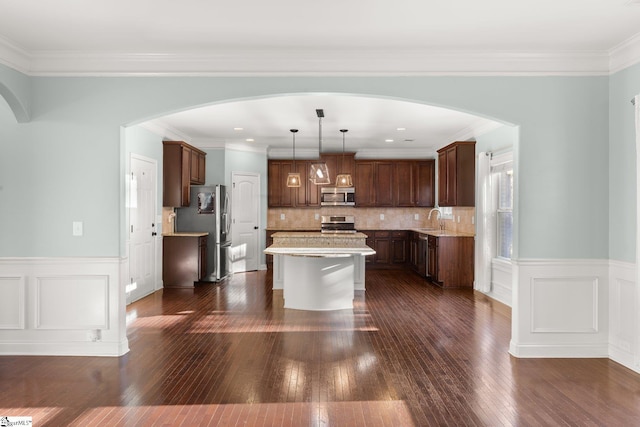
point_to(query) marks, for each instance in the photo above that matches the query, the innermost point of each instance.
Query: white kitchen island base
(318, 283)
(318, 271)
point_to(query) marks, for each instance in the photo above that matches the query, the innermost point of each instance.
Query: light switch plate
(77, 228)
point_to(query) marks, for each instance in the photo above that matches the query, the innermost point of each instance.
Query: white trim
(625, 54)
(279, 62)
(59, 336)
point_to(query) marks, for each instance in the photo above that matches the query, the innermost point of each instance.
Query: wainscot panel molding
(560, 308)
(624, 317)
(501, 281)
(63, 306)
(12, 293)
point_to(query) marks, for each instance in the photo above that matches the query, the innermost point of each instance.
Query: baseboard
(559, 350)
(101, 349)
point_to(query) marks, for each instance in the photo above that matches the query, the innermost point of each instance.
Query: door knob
(255, 228)
(154, 233)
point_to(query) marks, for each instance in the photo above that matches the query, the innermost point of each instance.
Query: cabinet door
(424, 186)
(403, 183)
(202, 168)
(398, 247)
(432, 258)
(186, 177)
(365, 185)
(279, 194)
(383, 184)
(382, 246)
(202, 259)
(193, 167)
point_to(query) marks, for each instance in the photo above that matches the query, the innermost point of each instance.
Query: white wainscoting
(624, 317)
(560, 308)
(501, 281)
(63, 306)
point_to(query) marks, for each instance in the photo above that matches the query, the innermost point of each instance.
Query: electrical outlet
(473, 220)
(381, 217)
(416, 216)
(458, 219)
(317, 216)
(282, 217)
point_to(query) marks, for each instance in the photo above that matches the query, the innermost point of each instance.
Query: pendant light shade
(344, 179)
(318, 171)
(293, 178)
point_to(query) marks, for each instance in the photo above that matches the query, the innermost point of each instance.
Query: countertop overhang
(316, 244)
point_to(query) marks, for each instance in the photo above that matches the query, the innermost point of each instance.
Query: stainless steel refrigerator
(210, 211)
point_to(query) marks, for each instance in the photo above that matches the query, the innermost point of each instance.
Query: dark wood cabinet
(456, 174)
(184, 260)
(450, 261)
(391, 248)
(338, 163)
(394, 183)
(182, 166)
(418, 252)
(378, 183)
(424, 188)
(281, 196)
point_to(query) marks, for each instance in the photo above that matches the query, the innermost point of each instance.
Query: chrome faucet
(438, 217)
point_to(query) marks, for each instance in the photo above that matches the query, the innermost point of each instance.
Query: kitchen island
(318, 271)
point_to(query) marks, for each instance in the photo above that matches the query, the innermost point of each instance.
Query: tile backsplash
(370, 218)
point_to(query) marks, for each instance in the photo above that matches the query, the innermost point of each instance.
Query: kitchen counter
(441, 233)
(185, 234)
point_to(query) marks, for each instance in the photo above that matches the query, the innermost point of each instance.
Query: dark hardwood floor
(408, 354)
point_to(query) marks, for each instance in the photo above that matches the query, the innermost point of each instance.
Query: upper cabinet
(183, 165)
(307, 195)
(395, 183)
(456, 174)
(378, 183)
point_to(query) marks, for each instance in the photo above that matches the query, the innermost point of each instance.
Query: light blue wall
(71, 154)
(215, 166)
(622, 164)
(498, 140)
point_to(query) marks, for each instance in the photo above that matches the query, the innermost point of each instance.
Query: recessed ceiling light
(238, 128)
(401, 129)
(409, 140)
(388, 140)
(249, 139)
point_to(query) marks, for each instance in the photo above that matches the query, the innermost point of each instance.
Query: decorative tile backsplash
(370, 218)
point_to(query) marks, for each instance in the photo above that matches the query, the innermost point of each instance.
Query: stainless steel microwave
(337, 196)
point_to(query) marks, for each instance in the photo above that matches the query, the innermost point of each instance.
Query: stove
(338, 224)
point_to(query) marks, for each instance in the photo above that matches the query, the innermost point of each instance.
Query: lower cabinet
(184, 260)
(418, 252)
(450, 261)
(391, 248)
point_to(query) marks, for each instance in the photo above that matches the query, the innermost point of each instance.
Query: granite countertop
(186, 234)
(441, 233)
(317, 244)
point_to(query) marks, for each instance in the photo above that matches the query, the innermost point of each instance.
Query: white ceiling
(196, 37)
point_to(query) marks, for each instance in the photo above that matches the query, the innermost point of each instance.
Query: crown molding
(625, 54)
(267, 62)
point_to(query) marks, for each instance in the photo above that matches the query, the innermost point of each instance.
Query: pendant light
(293, 178)
(318, 171)
(344, 179)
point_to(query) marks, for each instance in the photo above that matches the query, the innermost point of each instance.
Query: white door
(142, 196)
(245, 211)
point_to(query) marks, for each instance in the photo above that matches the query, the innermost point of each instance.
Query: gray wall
(623, 86)
(66, 164)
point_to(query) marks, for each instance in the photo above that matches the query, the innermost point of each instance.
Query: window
(502, 182)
